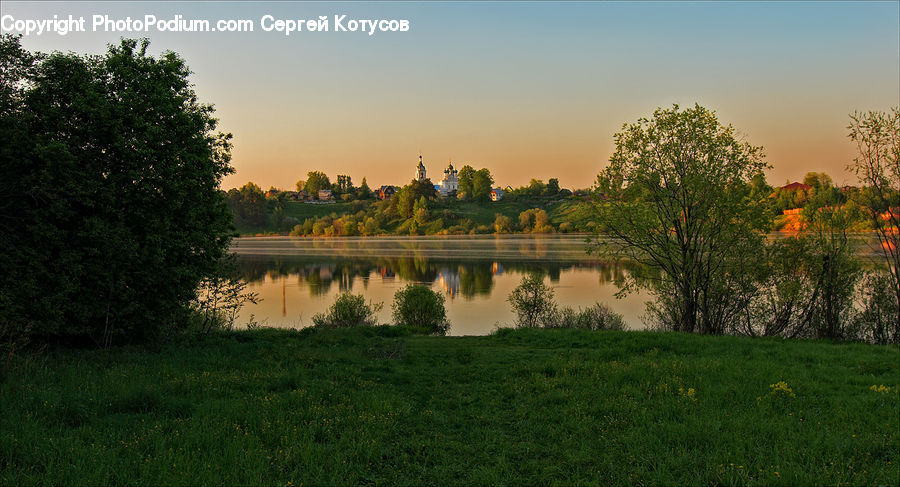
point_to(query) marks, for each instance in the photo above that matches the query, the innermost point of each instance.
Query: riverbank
(372, 406)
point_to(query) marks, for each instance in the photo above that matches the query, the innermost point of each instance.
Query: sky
(526, 89)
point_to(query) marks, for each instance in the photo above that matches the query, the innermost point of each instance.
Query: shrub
(420, 307)
(878, 319)
(596, 317)
(533, 302)
(348, 310)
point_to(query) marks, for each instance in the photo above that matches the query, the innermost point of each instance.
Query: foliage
(835, 270)
(248, 205)
(364, 192)
(220, 297)
(595, 317)
(676, 197)
(419, 307)
(877, 321)
(111, 209)
(315, 181)
(532, 301)
(344, 185)
(503, 224)
(465, 176)
(877, 165)
(482, 183)
(349, 310)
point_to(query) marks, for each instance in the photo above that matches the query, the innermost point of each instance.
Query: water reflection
(300, 277)
(457, 278)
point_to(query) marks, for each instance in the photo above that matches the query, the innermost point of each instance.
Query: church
(447, 186)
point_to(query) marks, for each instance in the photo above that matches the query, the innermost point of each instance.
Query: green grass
(527, 407)
(485, 213)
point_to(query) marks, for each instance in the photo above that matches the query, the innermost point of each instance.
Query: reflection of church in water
(448, 281)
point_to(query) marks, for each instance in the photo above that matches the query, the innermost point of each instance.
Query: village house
(324, 194)
(496, 194)
(386, 192)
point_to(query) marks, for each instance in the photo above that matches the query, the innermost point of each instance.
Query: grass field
(526, 407)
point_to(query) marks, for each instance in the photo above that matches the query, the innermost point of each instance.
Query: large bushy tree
(677, 198)
(111, 208)
(316, 180)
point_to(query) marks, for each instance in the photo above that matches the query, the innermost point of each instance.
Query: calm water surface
(299, 277)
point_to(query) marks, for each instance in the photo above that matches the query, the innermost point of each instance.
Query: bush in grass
(596, 317)
(532, 302)
(419, 307)
(348, 310)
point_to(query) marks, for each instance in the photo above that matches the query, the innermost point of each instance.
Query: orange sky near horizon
(525, 89)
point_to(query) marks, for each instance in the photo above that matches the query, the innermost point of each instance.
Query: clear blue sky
(527, 89)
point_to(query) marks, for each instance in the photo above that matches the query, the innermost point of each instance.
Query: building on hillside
(795, 187)
(420, 170)
(324, 194)
(273, 193)
(496, 194)
(386, 192)
(450, 184)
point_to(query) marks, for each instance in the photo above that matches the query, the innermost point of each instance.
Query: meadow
(378, 405)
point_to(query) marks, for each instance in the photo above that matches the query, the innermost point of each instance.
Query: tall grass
(376, 405)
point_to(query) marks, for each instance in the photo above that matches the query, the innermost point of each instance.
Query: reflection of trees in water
(467, 278)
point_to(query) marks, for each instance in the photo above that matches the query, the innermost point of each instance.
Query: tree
(248, 204)
(344, 184)
(502, 224)
(465, 177)
(552, 187)
(817, 180)
(420, 211)
(676, 197)
(482, 183)
(419, 307)
(532, 301)
(877, 165)
(112, 212)
(316, 181)
(364, 192)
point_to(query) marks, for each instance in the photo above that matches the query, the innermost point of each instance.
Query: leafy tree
(344, 185)
(316, 181)
(364, 192)
(877, 165)
(111, 209)
(349, 310)
(466, 176)
(301, 185)
(532, 301)
(419, 307)
(248, 204)
(817, 180)
(420, 211)
(677, 199)
(502, 224)
(552, 187)
(482, 183)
